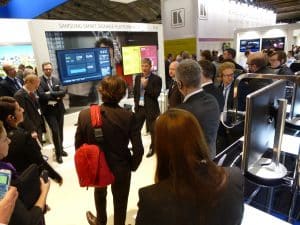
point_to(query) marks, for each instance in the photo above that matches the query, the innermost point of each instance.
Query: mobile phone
(5, 177)
(44, 175)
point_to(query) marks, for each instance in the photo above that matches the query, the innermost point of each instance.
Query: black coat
(216, 92)
(174, 96)
(24, 151)
(206, 110)
(119, 126)
(32, 118)
(8, 87)
(152, 92)
(158, 205)
(46, 95)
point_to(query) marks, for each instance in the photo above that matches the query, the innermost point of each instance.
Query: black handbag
(28, 185)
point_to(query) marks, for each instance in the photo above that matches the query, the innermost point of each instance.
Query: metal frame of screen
(259, 128)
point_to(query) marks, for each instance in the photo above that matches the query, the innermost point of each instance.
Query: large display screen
(276, 43)
(252, 45)
(82, 65)
(133, 55)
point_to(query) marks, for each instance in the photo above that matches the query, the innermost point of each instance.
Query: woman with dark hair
(21, 214)
(189, 188)
(119, 126)
(12, 114)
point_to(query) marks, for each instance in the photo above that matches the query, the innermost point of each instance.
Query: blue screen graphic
(82, 65)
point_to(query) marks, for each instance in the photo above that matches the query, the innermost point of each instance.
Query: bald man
(27, 99)
(10, 84)
(257, 63)
(174, 96)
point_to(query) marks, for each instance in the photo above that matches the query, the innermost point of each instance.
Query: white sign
(177, 17)
(202, 9)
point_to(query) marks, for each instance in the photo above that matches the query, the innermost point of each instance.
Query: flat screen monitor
(253, 45)
(133, 55)
(82, 65)
(260, 119)
(276, 43)
(17, 54)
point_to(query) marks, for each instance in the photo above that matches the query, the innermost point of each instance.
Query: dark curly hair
(112, 89)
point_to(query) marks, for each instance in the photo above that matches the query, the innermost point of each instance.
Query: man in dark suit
(207, 74)
(27, 99)
(229, 56)
(50, 94)
(146, 90)
(202, 105)
(174, 95)
(10, 84)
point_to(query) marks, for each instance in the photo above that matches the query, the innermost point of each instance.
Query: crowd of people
(191, 188)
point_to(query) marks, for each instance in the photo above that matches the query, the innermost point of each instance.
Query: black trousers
(120, 192)
(55, 120)
(141, 116)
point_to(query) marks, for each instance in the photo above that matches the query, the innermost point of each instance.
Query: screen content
(275, 43)
(133, 55)
(82, 65)
(252, 45)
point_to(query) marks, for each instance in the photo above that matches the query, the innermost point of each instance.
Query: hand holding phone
(44, 176)
(5, 177)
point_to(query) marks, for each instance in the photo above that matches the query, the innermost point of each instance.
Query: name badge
(141, 102)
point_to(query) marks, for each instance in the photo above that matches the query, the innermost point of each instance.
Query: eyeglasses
(228, 75)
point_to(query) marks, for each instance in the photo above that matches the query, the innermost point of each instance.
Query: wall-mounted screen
(133, 55)
(276, 43)
(17, 54)
(82, 65)
(252, 45)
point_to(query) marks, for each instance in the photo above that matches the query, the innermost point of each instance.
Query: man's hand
(34, 135)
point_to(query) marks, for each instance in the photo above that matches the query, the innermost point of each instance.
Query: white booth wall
(291, 32)
(211, 23)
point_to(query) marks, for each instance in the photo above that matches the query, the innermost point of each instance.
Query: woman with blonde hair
(189, 188)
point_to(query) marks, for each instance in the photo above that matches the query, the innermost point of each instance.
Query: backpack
(90, 163)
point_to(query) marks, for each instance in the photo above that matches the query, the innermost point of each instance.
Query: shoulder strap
(96, 118)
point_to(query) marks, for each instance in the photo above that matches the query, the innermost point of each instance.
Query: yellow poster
(131, 59)
(178, 45)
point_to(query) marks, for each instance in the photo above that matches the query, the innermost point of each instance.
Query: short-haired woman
(189, 188)
(119, 127)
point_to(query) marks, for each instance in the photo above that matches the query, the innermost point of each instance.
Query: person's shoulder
(158, 190)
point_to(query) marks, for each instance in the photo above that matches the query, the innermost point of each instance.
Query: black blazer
(174, 95)
(152, 92)
(159, 205)
(46, 95)
(7, 87)
(230, 101)
(206, 110)
(119, 126)
(217, 93)
(24, 151)
(32, 118)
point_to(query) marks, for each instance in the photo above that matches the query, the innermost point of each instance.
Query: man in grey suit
(146, 90)
(201, 104)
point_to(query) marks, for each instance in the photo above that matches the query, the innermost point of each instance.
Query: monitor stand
(266, 168)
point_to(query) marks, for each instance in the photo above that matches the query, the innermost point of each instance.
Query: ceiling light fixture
(123, 1)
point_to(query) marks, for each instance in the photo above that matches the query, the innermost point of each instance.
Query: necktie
(32, 96)
(49, 83)
(17, 86)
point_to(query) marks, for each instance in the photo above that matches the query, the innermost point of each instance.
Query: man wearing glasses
(51, 94)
